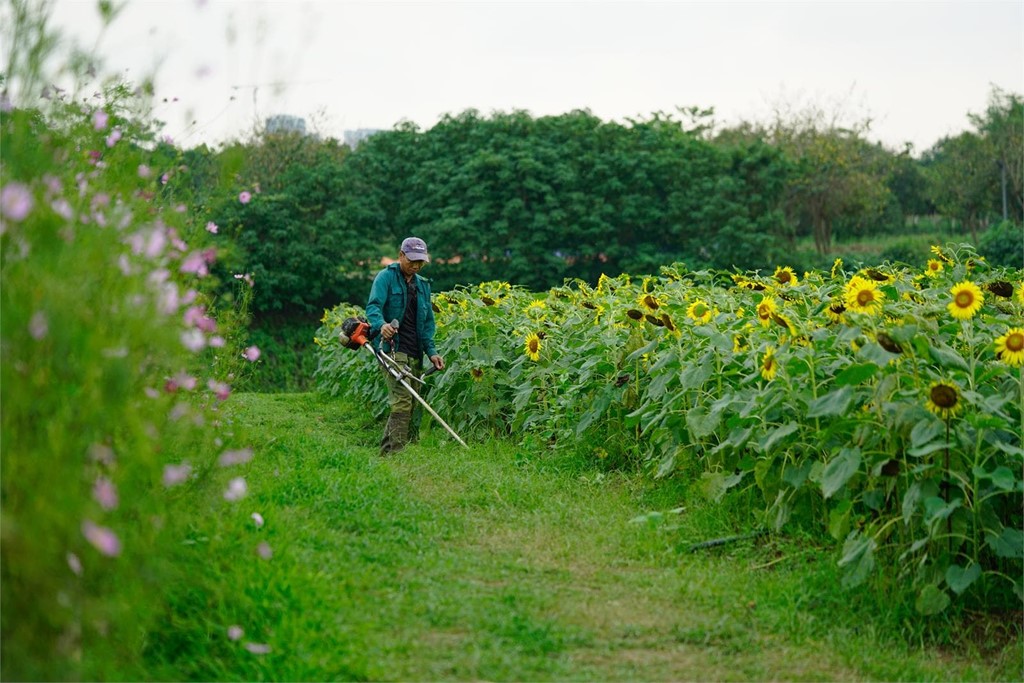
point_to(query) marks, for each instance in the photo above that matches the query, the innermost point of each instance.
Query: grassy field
(497, 564)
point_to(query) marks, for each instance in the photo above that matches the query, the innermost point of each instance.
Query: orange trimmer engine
(354, 332)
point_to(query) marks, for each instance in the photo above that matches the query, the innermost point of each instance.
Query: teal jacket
(387, 303)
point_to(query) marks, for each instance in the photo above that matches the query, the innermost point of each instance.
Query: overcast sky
(915, 68)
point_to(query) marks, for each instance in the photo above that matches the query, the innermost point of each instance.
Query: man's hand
(437, 361)
(387, 331)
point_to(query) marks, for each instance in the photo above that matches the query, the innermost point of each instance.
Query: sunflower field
(882, 407)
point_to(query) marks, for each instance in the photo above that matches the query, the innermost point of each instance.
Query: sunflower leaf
(946, 356)
(855, 374)
(833, 403)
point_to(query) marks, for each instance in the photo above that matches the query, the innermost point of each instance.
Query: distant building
(352, 138)
(286, 124)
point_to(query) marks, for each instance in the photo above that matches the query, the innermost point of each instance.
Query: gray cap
(415, 249)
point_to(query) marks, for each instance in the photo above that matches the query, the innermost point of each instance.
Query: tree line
(535, 200)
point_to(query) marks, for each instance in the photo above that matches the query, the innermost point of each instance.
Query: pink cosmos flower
(238, 457)
(62, 208)
(15, 201)
(102, 538)
(195, 263)
(104, 493)
(244, 197)
(211, 227)
(144, 171)
(264, 550)
(257, 519)
(257, 648)
(75, 564)
(38, 326)
(99, 119)
(114, 136)
(164, 178)
(247, 277)
(193, 340)
(235, 632)
(236, 489)
(217, 342)
(252, 354)
(175, 474)
(220, 389)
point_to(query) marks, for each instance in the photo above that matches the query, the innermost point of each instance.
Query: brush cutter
(355, 333)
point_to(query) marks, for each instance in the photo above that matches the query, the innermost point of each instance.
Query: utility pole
(1002, 168)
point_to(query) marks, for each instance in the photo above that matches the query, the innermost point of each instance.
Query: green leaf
(931, 600)
(716, 484)
(839, 519)
(946, 356)
(926, 430)
(1009, 543)
(773, 437)
(839, 470)
(927, 448)
(833, 403)
(1004, 478)
(701, 422)
(858, 559)
(958, 578)
(855, 374)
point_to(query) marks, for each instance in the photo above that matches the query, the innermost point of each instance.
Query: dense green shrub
(1003, 244)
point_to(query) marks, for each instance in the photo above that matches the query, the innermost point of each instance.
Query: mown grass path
(496, 564)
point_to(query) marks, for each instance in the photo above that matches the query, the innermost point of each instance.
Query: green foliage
(1003, 244)
(766, 381)
(112, 379)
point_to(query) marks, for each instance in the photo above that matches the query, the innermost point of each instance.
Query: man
(399, 293)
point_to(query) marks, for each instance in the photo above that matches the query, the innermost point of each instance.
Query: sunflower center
(944, 396)
(1015, 342)
(650, 302)
(784, 277)
(763, 312)
(964, 299)
(934, 265)
(534, 345)
(865, 297)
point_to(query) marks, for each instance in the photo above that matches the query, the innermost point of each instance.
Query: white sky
(915, 68)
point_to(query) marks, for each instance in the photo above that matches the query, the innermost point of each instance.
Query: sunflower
(477, 374)
(699, 312)
(739, 343)
(634, 314)
(933, 268)
(769, 366)
(837, 267)
(1001, 288)
(835, 311)
(862, 296)
(533, 346)
(943, 399)
(1020, 293)
(666, 319)
(784, 322)
(938, 252)
(765, 310)
(1010, 347)
(535, 309)
(967, 299)
(785, 275)
(648, 301)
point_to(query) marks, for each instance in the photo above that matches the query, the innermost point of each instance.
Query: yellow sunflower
(967, 300)
(835, 311)
(944, 399)
(648, 301)
(785, 275)
(1020, 293)
(739, 343)
(535, 309)
(938, 252)
(533, 346)
(634, 314)
(699, 311)
(837, 268)
(784, 322)
(477, 374)
(933, 268)
(862, 296)
(769, 366)
(765, 310)
(1010, 347)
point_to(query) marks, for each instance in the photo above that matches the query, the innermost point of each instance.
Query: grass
(496, 563)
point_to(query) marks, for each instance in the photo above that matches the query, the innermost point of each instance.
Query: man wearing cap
(399, 293)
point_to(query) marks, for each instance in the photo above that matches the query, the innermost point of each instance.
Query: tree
(963, 177)
(1002, 127)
